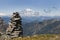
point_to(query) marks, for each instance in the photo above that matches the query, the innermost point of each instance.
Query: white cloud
(30, 12)
(4, 14)
(28, 9)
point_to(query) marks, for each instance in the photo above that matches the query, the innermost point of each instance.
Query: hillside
(51, 26)
(37, 37)
(48, 26)
(3, 25)
(41, 37)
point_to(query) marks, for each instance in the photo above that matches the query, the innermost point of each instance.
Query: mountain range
(34, 22)
(37, 25)
(51, 26)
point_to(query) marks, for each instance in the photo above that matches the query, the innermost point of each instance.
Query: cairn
(15, 27)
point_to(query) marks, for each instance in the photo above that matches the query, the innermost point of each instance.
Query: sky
(44, 6)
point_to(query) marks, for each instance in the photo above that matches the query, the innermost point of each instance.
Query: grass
(39, 37)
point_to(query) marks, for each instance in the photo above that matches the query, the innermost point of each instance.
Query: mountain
(26, 19)
(36, 25)
(3, 25)
(51, 26)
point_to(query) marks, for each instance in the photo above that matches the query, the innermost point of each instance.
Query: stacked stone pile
(15, 27)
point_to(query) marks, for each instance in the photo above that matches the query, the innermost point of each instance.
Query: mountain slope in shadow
(51, 26)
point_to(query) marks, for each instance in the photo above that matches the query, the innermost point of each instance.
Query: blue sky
(9, 6)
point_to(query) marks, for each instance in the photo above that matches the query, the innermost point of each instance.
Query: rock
(15, 27)
(5, 37)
